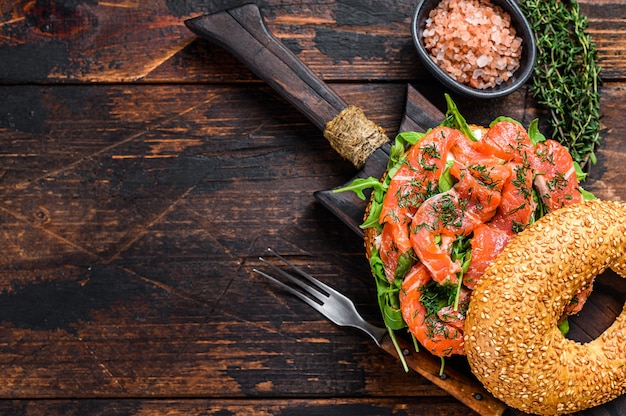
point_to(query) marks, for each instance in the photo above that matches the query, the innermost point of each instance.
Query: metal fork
(340, 310)
(323, 298)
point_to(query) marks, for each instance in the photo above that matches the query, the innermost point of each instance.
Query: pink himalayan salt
(473, 41)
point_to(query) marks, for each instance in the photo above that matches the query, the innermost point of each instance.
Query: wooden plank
(88, 41)
(270, 406)
(143, 171)
(127, 262)
(338, 40)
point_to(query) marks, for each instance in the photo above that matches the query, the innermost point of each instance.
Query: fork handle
(466, 389)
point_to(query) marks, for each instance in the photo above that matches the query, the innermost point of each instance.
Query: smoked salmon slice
(431, 235)
(472, 201)
(438, 330)
(487, 242)
(517, 204)
(555, 175)
(394, 242)
(506, 140)
(417, 178)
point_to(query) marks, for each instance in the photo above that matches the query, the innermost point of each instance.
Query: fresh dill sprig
(566, 76)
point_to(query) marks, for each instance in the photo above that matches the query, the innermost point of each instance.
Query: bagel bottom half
(512, 341)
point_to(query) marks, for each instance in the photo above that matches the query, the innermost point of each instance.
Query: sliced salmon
(487, 242)
(414, 182)
(471, 202)
(434, 220)
(506, 140)
(480, 189)
(442, 337)
(517, 204)
(417, 178)
(467, 152)
(555, 175)
(394, 242)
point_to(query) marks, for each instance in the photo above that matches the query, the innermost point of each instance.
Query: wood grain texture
(90, 41)
(246, 407)
(143, 171)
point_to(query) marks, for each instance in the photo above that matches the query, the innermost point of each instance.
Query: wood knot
(40, 216)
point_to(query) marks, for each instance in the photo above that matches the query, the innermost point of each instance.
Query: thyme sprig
(566, 76)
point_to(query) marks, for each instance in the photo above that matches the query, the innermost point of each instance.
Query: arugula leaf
(580, 175)
(405, 262)
(454, 119)
(410, 137)
(564, 327)
(392, 335)
(446, 180)
(372, 219)
(361, 184)
(587, 196)
(387, 293)
(504, 118)
(398, 149)
(388, 301)
(462, 251)
(534, 134)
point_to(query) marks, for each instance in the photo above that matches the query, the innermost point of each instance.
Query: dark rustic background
(143, 171)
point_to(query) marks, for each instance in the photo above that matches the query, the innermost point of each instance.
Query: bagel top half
(512, 341)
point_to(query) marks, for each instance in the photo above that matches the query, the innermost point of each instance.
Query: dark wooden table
(142, 173)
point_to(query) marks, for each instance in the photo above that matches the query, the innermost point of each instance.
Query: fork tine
(305, 275)
(294, 292)
(307, 288)
(333, 304)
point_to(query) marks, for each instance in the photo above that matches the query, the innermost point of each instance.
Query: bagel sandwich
(450, 203)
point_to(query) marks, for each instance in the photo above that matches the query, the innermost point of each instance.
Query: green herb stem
(442, 367)
(567, 75)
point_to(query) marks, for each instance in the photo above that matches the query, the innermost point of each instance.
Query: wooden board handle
(242, 32)
(466, 389)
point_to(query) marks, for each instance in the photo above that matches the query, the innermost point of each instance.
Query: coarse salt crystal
(482, 61)
(458, 31)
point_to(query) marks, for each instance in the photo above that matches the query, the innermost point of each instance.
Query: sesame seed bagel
(512, 341)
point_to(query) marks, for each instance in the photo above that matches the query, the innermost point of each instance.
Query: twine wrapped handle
(354, 136)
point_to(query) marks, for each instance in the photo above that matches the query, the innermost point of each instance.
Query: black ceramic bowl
(520, 76)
